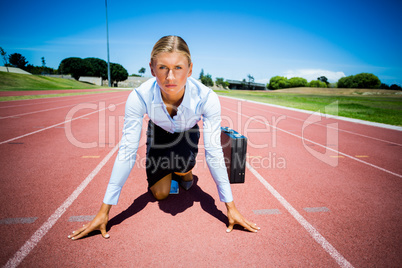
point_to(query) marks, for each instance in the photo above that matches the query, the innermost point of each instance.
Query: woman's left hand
(235, 217)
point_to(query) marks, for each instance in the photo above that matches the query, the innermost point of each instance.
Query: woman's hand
(235, 217)
(98, 223)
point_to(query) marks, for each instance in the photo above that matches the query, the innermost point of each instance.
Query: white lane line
(52, 126)
(45, 102)
(323, 146)
(317, 209)
(329, 116)
(83, 218)
(303, 222)
(29, 245)
(266, 211)
(51, 109)
(18, 220)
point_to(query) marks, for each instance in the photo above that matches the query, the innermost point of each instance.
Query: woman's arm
(124, 162)
(216, 163)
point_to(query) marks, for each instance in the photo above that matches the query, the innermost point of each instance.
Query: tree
(278, 82)
(207, 80)
(77, 67)
(317, 83)
(96, 67)
(323, 79)
(142, 71)
(362, 80)
(250, 80)
(219, 82)
(395, 87)
(40, 69)
(297, 82)
(384, 86)
(201, 74)
(4, 55)
(17, 60)
(43, 62)
(117, 72)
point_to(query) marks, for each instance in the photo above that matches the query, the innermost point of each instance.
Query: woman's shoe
(186, 184)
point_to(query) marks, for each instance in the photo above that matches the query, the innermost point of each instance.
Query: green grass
(386, 108)
(16, 82)
(30, 97)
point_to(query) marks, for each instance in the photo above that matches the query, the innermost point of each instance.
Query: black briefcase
(234, 146)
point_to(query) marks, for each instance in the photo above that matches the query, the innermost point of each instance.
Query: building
(244, 85)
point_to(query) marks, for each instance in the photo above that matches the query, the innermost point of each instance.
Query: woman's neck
(172, 102)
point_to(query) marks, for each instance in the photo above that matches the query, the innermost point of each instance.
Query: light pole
(107, 40)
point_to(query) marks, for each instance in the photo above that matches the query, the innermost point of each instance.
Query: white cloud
(313, 74)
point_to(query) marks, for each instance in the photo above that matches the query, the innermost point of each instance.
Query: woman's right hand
(98, 223)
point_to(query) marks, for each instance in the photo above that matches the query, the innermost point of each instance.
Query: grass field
(382, 106)
(14, 82)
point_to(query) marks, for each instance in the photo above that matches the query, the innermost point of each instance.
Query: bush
(207, 80)
(278, 82)
(219, 82)
(298, 82)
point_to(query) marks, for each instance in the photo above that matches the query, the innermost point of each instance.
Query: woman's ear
(152, 69)
(190, 71)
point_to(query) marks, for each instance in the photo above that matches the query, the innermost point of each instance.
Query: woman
(174, 102)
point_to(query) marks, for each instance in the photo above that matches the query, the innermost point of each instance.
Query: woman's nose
(170, 75)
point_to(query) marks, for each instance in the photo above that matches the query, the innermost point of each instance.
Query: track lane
(38, 122)
(380, 153)
(282, 242)
(353, 193)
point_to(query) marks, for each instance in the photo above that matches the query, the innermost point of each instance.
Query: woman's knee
(161, 189)
(160, 194)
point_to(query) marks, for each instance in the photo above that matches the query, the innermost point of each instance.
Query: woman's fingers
(103, 231)
(83, 231)
(252, 225)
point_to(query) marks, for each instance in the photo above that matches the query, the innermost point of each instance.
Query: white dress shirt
(199, 102)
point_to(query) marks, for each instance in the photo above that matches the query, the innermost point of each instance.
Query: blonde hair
(171, 43)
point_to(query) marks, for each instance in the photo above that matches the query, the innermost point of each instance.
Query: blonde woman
(174, 103)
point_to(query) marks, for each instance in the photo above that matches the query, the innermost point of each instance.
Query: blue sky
(229, 39)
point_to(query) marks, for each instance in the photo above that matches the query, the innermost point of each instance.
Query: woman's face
(171, 70)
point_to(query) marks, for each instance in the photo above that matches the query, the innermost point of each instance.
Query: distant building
(244, 85)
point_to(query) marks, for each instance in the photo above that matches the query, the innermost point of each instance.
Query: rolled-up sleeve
(134, 113)
(213, 149)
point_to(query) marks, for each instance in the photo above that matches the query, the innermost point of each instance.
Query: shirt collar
(187, 96)
(157, 94)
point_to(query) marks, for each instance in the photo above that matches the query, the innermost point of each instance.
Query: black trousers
(170, 152)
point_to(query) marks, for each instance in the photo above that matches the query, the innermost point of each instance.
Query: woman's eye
(178, 67)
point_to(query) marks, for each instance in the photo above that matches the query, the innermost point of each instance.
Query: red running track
(319, 201)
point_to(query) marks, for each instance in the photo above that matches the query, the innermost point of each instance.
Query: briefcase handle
(227, 129)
